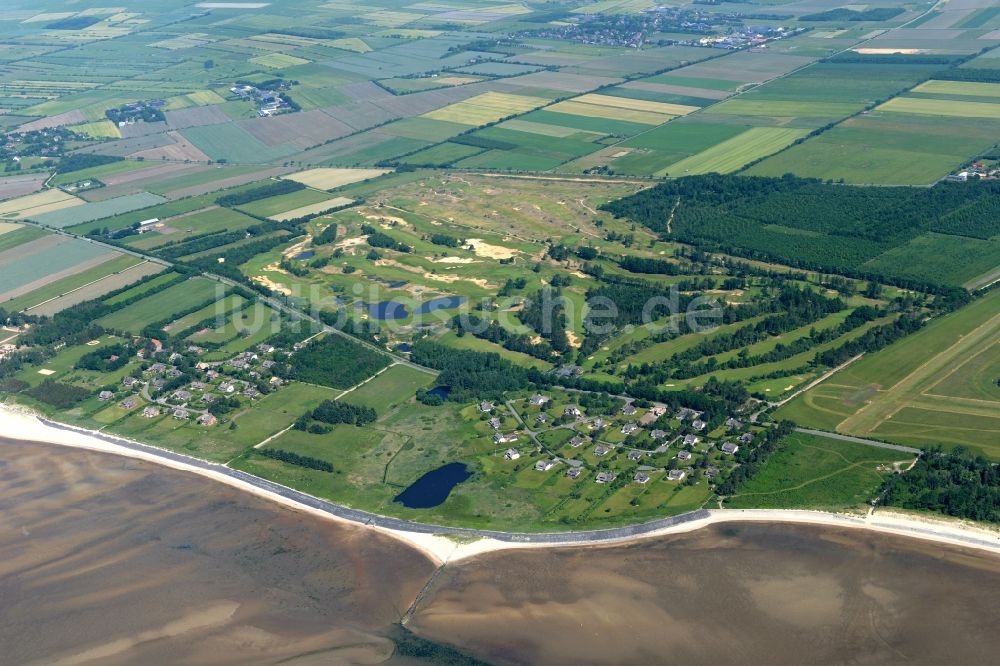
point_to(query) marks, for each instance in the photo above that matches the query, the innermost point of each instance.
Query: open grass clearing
(814, 472)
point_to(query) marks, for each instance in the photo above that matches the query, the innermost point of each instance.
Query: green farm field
(160, 305)
(932, 387)
(733, 153)
(66, 284)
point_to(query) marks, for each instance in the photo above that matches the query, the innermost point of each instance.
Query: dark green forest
(810, 224)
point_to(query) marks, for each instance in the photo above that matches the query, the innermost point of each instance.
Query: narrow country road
(859, 440)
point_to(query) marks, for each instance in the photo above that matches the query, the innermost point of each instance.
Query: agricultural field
(935, 387)
(331, 179)
(486, 108)
(40, 262)
(159, 306)
(83, 286)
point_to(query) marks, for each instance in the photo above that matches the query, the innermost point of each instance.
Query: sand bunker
(454, 260)
(483, 249)
(479, 282)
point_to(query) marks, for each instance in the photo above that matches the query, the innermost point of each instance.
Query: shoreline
(448, 544)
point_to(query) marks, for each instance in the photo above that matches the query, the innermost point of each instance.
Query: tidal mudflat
(110, 560)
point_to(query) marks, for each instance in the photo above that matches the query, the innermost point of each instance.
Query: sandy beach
(18, 423)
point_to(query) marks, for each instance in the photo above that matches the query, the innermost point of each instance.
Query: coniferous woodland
(323, 362)
(335, 412)
(809, 224)
(959, 483)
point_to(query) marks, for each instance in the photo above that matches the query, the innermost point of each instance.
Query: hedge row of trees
(272, 189)
(296, 459)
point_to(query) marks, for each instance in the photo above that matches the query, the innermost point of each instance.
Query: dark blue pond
(443, 303)
(308, 254)
(433, 488)
(404, 348)
(440, 391)
(385, 310)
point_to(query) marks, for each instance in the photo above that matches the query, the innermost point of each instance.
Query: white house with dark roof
(640, 477)
(545, 465)
(676, 475)
(729, 448)
(511, 454)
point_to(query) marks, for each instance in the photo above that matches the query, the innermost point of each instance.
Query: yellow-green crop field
(101, 129)
(486, 108)
(966, 88)
(942, 107)
(330, 178)
(278, 60)
(733, 153)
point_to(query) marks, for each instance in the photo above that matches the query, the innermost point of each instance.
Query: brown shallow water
(106, 560)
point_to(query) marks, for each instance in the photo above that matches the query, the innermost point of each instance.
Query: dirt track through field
(908, 390)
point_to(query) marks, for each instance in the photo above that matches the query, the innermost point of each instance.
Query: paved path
(859, 440)
(368, 518)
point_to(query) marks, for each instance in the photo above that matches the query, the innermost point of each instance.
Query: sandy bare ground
(21, 424)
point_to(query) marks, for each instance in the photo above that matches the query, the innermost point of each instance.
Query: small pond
(440, 391)
(443, 303)
(308, 254)
(404, 348)
(385, 310)
(433, 488)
